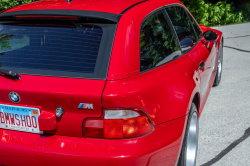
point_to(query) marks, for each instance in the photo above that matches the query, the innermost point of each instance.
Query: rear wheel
(219, 67)
(190, 142)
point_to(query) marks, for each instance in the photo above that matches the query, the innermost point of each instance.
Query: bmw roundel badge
(14, 97)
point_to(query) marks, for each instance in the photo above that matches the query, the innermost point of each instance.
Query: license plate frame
(19, 118)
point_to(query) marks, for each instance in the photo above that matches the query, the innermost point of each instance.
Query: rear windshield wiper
(10, 73)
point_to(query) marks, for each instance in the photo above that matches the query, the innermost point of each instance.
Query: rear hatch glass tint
(62, 49)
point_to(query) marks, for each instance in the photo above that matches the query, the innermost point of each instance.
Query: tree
(207, 13)
(5, 4)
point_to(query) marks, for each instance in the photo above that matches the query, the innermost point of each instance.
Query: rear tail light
(118, 124)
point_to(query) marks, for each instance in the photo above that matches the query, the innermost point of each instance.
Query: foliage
(4, 41)
(5, 4)
(207, 13)
(244, 7)
(181, 22)
(157, 40)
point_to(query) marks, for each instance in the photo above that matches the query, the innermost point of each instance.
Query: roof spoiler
(81, 14)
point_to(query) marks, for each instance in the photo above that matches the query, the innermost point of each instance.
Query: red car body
(164, 93)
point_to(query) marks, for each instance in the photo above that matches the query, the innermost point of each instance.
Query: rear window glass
(67, 49)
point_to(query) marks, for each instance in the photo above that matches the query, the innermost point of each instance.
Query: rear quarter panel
(165, 93)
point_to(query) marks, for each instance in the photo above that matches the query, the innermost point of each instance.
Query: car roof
(107, 6)
(129, 13)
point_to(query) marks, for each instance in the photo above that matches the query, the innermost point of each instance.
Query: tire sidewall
(182, 159)
(217, 77)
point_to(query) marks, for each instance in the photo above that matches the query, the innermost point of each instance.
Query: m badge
(85, 106)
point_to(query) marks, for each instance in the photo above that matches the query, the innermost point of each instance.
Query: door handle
(201, 65)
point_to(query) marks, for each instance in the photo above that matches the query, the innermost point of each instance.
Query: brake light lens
(118, 124)
(47, 17)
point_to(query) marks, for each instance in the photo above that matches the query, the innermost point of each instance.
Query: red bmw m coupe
(104, 82)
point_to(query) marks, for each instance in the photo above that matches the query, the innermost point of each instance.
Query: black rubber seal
(124, 11)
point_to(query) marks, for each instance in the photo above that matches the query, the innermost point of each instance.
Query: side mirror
(186, 42)
(210, 36)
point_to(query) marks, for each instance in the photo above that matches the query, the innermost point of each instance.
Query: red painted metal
(47, 121)
(202, 54)
(213, 50)
(125, 58)
(164, 93)
(48, 93)
(108, 6)
(155, 149)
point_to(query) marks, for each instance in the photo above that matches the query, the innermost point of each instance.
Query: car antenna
(69, 1)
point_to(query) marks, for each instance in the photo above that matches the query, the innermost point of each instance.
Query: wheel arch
(196, 101)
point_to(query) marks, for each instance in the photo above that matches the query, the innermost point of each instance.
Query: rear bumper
(161, 147)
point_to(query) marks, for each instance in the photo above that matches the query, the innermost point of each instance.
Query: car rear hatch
(63, 63)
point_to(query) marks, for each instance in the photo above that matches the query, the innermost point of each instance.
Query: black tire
(219, 73)
(183, 156)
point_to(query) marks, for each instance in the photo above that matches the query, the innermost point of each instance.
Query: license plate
(19, 118)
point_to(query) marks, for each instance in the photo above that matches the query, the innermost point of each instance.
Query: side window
(196, 26)
(158, 44)
(183, 27)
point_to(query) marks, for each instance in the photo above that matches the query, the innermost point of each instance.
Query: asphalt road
(224, 136)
